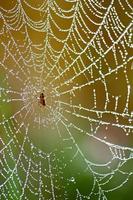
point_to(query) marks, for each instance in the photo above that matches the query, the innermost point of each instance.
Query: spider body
(42, 100)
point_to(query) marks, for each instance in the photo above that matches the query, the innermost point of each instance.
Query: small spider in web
(42, 100)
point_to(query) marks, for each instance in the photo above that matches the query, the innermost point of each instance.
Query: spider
(42, 100)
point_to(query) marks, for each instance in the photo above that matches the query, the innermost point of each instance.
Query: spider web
(78, 53)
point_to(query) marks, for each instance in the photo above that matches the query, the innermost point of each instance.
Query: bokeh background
(79, 54)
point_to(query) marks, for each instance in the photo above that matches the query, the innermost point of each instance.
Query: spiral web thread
(71, 50)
